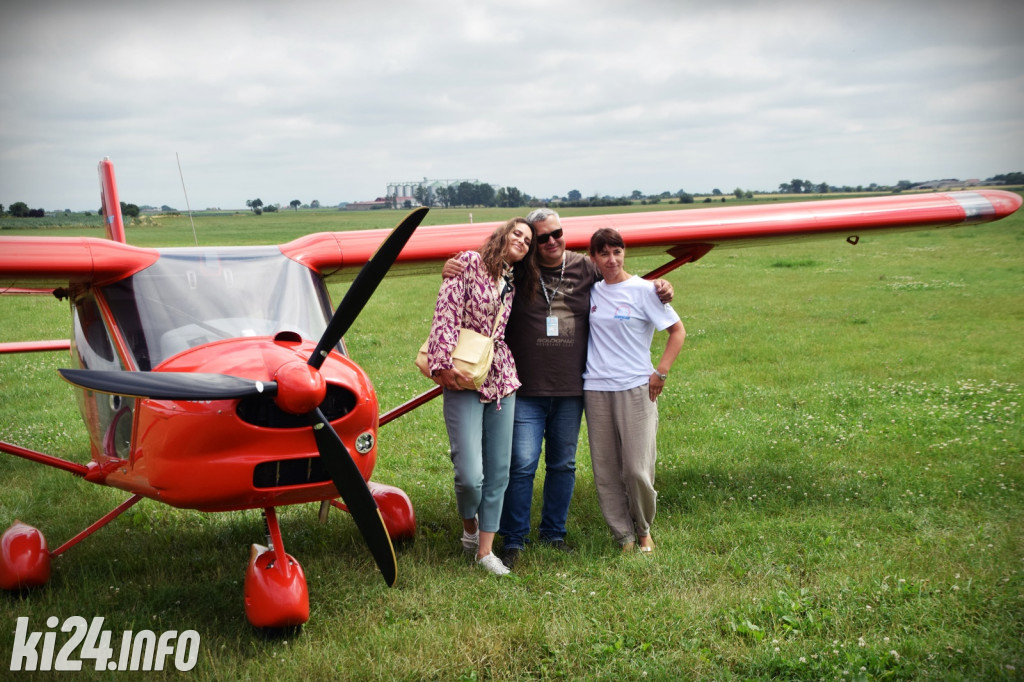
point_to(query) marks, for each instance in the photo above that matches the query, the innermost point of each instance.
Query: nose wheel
(276, 595)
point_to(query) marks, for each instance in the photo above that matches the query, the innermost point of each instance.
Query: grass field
(841, 458)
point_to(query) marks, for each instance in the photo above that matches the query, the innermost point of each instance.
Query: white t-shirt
(623, 318)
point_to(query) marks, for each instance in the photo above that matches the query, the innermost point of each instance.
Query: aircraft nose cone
(300, 387)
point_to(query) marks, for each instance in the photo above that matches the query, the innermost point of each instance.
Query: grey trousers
(622, 428)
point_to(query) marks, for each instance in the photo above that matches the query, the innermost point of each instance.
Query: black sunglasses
(553, 234)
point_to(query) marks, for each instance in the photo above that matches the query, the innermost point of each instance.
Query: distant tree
(508, 197)
(822, 188)
(315, 203)
(637, 194)
(19, 209)
(423, 195)
(1015, 178)
(738, 193)
(1, 209)
(485, 194)
(255, 205)
(466, 194)
(272, 208)
(515, 197)
(685, 198)
(903, 185)
(716, 192)
(295, 203)
(573, 195)
(129, 210)
(444, 196)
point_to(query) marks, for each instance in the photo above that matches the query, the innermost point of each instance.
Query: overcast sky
(334, 100)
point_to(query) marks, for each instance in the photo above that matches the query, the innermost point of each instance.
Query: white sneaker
(493, 564)
(471, 543)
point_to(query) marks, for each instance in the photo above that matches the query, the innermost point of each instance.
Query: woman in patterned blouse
(479, 423)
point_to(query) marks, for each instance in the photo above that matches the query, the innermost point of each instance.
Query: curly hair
(493, 255)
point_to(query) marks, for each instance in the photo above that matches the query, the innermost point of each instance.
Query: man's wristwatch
(663, 377)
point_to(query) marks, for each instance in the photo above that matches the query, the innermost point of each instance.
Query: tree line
(469, 194)
(798, 186)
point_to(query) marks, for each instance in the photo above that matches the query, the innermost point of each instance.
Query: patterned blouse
(472, 301)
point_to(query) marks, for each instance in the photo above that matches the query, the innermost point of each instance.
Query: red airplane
(229, 360)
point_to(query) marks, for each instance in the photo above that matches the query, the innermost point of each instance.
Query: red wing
(49, 262)
(682, 235)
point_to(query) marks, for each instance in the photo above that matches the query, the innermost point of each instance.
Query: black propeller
(336, 458)
(168, 385)
(365, 284)
(333, 453)
(356, 494)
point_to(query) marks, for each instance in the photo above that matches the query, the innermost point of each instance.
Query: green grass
(840, 470)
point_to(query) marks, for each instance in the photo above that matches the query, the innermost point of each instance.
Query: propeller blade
(365, 284)
(354, 491)
(168, 385)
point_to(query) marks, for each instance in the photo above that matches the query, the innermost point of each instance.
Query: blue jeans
(553, 422)
(480, 435)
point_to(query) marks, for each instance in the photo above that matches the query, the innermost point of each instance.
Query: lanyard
(554, 290)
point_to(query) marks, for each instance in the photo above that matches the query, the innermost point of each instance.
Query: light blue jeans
(554, 423)
(480, 435)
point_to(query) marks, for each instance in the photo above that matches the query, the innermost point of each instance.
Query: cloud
(334, 100)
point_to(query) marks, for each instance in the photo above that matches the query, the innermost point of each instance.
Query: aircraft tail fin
(111, 202)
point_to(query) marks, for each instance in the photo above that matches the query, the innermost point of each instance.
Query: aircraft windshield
(190, 297)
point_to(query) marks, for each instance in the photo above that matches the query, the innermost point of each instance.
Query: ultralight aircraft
(230, 361)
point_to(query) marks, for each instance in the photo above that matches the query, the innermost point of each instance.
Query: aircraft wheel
(24, 558)
(276, 595)
(396, 510)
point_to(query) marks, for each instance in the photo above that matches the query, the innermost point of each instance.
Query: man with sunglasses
(548, 339)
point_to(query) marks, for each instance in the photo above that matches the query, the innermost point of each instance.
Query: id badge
(552, 325)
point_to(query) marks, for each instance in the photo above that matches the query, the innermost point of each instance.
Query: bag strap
(501, 308)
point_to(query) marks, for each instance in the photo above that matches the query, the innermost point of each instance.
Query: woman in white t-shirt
(621, 387)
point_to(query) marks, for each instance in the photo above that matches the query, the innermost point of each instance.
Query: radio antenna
(194, 237)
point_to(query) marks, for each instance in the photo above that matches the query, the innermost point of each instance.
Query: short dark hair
(605, 236)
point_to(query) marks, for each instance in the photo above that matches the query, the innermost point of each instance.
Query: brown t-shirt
(553, 365)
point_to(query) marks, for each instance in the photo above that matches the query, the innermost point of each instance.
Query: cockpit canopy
(190, 297)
